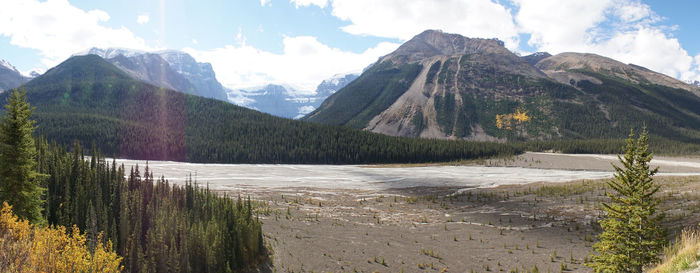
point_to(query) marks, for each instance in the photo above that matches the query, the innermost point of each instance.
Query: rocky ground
(437, 217)
(550, 226)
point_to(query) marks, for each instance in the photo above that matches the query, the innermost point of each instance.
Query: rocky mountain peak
(432, 43)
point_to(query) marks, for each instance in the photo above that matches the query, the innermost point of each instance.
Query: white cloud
(404, 19)
(697, 67)
(558, 27)
(265, 3)
(303, 64)
(306, 3)
(625, 30)
(143, 19)
(651, 48)
(57, 29)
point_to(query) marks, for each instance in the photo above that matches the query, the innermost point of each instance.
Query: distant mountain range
(284, 101)
(88, 99)
(179, 71)
(440, 85)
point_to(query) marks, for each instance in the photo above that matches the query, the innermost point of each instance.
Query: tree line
(153, 225)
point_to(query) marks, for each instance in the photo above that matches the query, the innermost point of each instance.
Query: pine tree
(20, 183)
(632, 235)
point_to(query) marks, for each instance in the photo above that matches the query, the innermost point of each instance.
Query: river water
(239, 176)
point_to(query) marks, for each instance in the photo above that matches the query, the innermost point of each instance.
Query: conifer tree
(20, 183)
(632, 235)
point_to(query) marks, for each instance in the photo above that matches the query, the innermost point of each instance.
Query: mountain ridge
(10, 77)
(440, 85)
(166, 68)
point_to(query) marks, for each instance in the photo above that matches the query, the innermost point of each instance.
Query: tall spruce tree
(632, 235)
(20, 183)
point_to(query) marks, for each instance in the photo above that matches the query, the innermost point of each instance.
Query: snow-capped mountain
(152, 68)
(10, 77)
(6, 65)
(179, 71)
(201, 75)
(170, 69)
(284, 101)
(108, 53)
(332, 85)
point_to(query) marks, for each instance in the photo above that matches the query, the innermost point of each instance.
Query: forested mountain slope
(440, 85)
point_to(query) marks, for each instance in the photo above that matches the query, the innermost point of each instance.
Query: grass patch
(682, 255)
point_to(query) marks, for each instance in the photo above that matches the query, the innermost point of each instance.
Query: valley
(535, 209)
(316, 136)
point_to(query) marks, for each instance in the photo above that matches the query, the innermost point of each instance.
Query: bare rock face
(435, 100)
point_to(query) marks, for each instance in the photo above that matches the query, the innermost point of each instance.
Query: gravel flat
(527, 168)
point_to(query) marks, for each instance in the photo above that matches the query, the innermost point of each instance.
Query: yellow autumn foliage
(506, 121)
(26, 248)
(521, 116)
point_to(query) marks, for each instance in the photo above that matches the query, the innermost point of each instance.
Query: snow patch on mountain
(109, 53)
(7, 65)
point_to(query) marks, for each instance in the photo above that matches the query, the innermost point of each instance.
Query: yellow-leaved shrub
(27, 248)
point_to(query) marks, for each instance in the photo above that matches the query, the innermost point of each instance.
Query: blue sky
(301, 42)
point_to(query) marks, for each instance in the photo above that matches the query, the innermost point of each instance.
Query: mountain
(179, 71)
(91, 100)
(201, 75)
(328, 87)
(153, 69)
(169, 69)
(536, 57)
(10, 77)
(570, 63)
(440, 85)
(286, 102)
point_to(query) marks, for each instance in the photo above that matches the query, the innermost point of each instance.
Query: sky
(299, 43)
